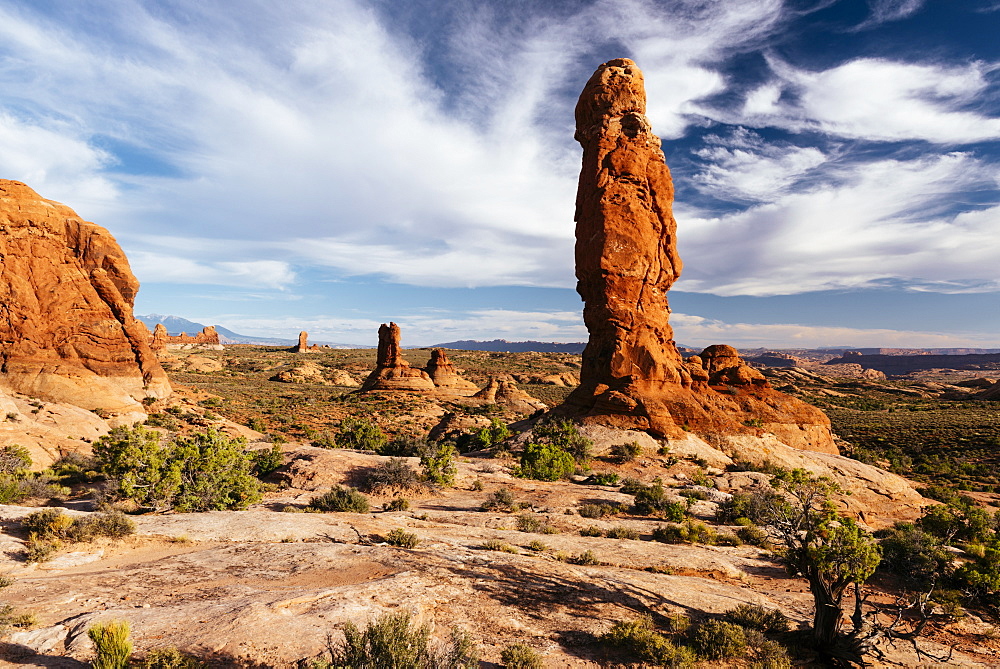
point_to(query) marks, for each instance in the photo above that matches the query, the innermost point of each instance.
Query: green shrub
(112, 643)
(690, 532)
(201, 472)
(637, 638)
(169, 658)
(597, 510)
(527, 522)
(603, 478)
(114, 525)
(619, 532)
(719, 640)
(497, 545)
(765, 653)
(392, 640)
(402, 538)
(360, 434)
(403, 446)
(626, 452)
(585, 558)
(38, 549)
(631, 486)
(267, 460)
(325, 440)
(398, 504)
(652, 501)
(545, 462)
(438, 462)
(501, 499)
(341, 498)
(48, 523)
(755, 617)
(592, 531)
(520, 656)
(537, 545)
(393, 474)
(758, 505)
(749, 533)
(487, 437)
(917, 557)
(565, 436)
(14, 460)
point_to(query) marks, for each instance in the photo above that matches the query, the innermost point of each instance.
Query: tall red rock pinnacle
(392, 372)
(67, 332)
(633, 376)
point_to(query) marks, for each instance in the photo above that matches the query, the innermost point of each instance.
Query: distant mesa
(504, 346)
(901, 364)
(633, 376)
(67, 332)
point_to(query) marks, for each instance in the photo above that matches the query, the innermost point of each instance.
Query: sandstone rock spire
(67, 332)
(392, 372)
(632, 375)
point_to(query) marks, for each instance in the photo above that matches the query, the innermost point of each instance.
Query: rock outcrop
(444, 375)
(67, 332)
(392, 372)
(503, 390)
(303, 345)
(160, 337)
(633, 376)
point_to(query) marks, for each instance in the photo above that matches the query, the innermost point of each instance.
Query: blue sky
(278, 166)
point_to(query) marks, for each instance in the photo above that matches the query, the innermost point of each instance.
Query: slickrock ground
(269, 585)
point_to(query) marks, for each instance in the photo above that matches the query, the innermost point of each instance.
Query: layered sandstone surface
(67, 333)
(633, 376)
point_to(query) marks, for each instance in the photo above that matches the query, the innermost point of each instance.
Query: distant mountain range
(513, 346)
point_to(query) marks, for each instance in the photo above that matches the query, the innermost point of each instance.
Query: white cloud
(700, 332)
(249, 274)
(867, 224)
(900, 101)
(884, 11)
(55, 164)
(743, 167)
(421, 328)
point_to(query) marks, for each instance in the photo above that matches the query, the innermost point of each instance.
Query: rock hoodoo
(392, 372)
(444, 374)
(160, 337)
(67, 332)
(303, 345)
(633, 376)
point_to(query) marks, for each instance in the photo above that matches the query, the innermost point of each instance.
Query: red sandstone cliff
(67, 333)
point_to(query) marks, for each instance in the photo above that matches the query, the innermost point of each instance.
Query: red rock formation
(208, 336)
(503, 390)
(303, 345)
(67, 333)
(626, 261)
(444, 375)
(392, 372)
(160, 337)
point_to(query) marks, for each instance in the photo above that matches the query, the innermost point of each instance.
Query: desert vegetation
(532, 506)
